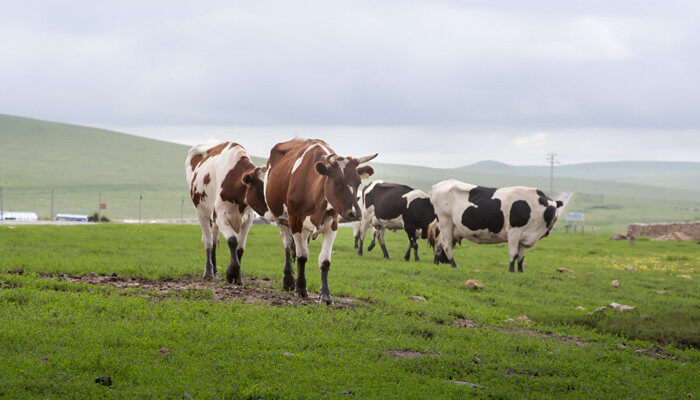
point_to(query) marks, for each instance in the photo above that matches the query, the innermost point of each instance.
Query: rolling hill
(682, 175)
(78, 163)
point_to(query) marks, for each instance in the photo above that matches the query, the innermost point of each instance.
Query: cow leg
(513, 246)
(521, 257)
(363, 225)
(444, 245)
(289, 254)
(302, 247)
(214, 241)
(229, 221)
(357, 239)
(324, 263)
(407, 256)
(415, 250)
(380, 238)
(209, 249)
(374, 239)
(243, 234)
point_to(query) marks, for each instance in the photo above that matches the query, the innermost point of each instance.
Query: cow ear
(321, 168)
(365, 171)
(248, 178)
(559, 203)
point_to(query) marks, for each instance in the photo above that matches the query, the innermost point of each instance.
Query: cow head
(255, 189)
(433, 235)
(343, 176)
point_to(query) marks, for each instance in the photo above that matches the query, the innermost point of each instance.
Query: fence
(123, 205)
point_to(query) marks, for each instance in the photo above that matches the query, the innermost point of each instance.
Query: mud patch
(404, 353)
(256, 290)
(655, 352)
(531, 332)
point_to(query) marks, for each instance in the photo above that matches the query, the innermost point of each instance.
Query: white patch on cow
(299, 160)
(390, 224)
(414, 194)
(342, 164)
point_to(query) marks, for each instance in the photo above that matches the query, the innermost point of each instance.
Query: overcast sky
(441, 83)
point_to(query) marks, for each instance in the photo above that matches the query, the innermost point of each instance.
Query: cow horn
(328, 157)
(366, 158)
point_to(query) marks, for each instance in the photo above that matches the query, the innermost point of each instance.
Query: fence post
(99, 208)
(140, 198)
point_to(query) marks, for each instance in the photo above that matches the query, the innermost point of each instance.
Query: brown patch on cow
(404, 353)
(256, 290)
(207, 179)
(197, 197)
(233, 189)
(213, 215)
(195, 160)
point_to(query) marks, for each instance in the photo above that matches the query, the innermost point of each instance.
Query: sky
(438, 83)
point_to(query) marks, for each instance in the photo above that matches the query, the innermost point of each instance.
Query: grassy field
(58, 334)
(78, 163)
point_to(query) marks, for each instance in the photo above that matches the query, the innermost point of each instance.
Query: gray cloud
(543, 65)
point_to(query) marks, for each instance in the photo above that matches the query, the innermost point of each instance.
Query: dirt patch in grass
(404, 353)
(654, 352)
(256, 290)
(543, 335)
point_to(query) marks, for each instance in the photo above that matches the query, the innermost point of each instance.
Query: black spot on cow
(519, 214)
(387, 199)
(420, 214)
(549, 214)
(486, 214)
(543, 199)
(559, 203)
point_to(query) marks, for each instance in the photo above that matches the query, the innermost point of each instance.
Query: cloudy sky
(441, 83)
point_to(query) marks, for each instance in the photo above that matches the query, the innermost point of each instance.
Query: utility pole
(140, 198)
(99, 208)
(51, 216)
(551, 157)
(182, 210)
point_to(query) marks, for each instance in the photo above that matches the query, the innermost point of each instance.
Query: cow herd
(305, 188)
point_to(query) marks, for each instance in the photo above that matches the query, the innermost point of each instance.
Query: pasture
(126, 301)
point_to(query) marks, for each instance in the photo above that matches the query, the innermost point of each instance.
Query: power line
(551, 157)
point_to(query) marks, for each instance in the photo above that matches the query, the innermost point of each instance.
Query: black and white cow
(518, 215)
(393, 206)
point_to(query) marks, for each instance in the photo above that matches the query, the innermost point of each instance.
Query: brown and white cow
(215, 175)
(517, 215)
(307, 186)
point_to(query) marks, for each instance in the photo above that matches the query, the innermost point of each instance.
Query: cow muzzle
(351, 216)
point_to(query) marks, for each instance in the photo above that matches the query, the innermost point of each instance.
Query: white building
(71, 217)
(18, 216)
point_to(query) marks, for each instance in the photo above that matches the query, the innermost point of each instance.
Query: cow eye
(336, 183)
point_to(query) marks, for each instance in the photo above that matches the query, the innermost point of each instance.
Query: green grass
(227, 349)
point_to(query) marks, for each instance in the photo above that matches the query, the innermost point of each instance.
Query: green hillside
(683, 175)
(80, 162)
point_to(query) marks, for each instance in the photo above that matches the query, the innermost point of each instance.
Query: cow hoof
(288, 284)
(453, 263)
(302, 293)
(208, 276)
(234, 275)
(327, 299)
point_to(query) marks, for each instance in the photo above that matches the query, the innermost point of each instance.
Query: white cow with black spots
(518, 215)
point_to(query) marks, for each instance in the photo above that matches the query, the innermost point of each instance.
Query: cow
(394, 206)
(518, 215)
(214, 174)
(307, 186)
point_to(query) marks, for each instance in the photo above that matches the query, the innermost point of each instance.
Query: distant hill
(683, 175)
(79, 162)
